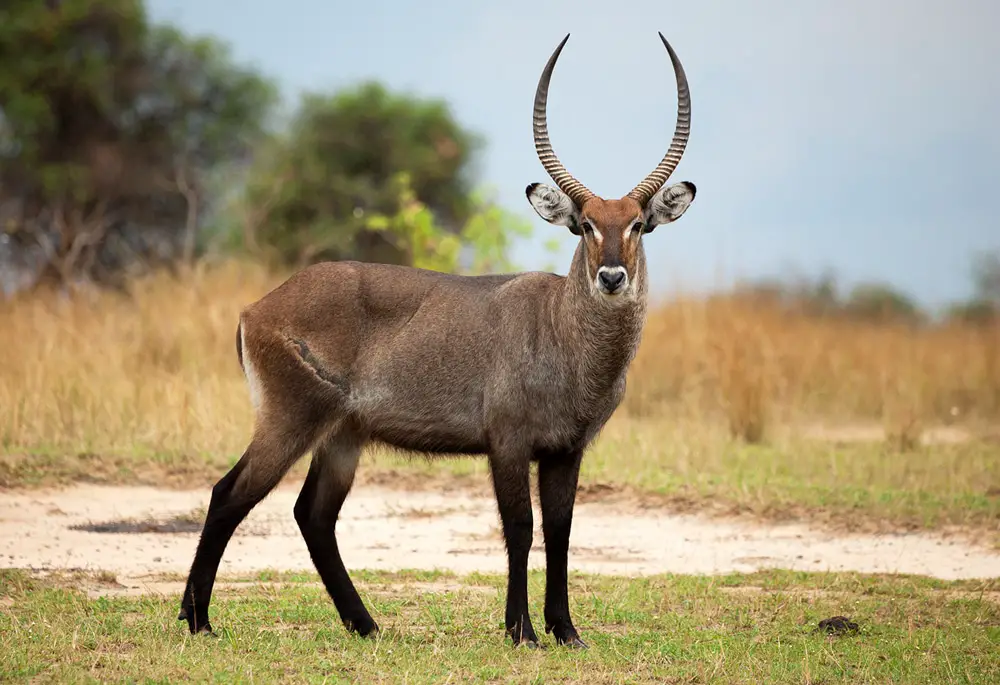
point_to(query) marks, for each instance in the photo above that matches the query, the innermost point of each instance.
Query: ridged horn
(569, 185)
(642, 192)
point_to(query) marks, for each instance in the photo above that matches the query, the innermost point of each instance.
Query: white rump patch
(253, 380)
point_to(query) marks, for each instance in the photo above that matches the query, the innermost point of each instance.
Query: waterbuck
(520, 367)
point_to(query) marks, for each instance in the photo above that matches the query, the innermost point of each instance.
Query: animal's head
(611, 230)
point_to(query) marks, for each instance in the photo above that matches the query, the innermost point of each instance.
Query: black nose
(612, 280)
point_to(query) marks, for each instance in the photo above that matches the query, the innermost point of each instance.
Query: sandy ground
(140, 531)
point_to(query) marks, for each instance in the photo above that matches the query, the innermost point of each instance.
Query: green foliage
(872, 301)
(817, 296)
(119, 139)
(375, 176)
(881, 302)
(983, 308)
(986, 277)
(109, 127)
(977, 311)
(489, 232)
(413, 231)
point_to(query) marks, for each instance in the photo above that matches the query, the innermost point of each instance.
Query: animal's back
(413, 349)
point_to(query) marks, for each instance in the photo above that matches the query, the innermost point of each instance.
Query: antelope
(521, 368)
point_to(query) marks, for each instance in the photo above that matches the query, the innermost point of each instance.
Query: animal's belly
(424, 418)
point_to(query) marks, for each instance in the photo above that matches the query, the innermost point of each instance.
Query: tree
(799, 294)
(986, 277)
(372, 175)
(109, 130)
(984, 306)
(977, 312)
(879, 302)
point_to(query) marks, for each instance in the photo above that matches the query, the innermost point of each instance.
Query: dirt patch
(454, 530)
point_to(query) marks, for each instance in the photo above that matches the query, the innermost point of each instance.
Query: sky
(854, 136)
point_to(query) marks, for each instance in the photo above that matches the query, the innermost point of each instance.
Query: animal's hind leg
(327, 485)
(272, 451)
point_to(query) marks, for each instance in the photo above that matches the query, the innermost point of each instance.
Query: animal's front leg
(557, 479)
(510, 470)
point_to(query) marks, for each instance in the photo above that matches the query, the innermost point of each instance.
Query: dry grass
(105, 373)
(157, 373)
(752, 366)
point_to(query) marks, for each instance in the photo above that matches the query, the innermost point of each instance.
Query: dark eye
(637, 226)
(587, 227)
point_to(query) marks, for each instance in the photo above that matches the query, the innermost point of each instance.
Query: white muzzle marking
(612, 280)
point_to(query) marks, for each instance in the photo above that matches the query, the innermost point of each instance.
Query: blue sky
(855, 136)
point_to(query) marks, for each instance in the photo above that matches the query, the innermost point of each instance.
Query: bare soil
(137, 532)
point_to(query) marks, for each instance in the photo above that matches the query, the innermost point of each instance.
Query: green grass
(441, 628)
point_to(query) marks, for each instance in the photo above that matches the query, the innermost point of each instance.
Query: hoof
(566, 636)
(204, 628)
(526, 639)
(575, 643)
(364, 627)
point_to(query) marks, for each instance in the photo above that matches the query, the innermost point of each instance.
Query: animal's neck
(604, 335)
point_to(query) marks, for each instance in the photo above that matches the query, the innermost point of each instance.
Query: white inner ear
(669, 204)
(553, 205)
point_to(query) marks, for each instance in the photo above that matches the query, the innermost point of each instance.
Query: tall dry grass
(157, 372)
(752, 365)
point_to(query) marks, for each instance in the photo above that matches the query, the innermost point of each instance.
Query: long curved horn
(569, 185)
(642, 192)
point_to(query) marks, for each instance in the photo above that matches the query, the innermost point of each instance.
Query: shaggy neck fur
(605, 333)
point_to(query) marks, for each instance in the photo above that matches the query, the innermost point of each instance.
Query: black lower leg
(557, 480)
(268, 457)
(510, 483)
(225, 513)
(316, 511)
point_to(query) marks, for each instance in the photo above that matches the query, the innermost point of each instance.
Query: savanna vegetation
(150, 187)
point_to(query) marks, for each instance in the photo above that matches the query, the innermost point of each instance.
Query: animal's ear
(668, 204)
(554, 206)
